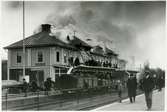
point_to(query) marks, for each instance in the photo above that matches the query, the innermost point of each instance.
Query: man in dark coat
(34, 86)
(135, 87)
(148, 86)
(25, 87)
(132, 86)
(120, 89)
(48, 85)
(160, 83)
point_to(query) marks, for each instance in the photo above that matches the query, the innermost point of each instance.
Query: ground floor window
(34, 75)
(65, 59)
(16, 74)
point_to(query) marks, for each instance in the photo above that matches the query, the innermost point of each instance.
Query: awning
(60, 66)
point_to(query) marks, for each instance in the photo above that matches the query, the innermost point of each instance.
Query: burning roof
(79, 43)
(46, 38)
(41, 39)
(62, 38)
(98, 50)
(110, 52)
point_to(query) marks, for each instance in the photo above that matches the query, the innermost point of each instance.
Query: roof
(79, 43)
(98, 50)
(110, 52)
(122, 60)
(41, 39)
(97, 54)
(132, 71)
(84, 68)
(44, 39)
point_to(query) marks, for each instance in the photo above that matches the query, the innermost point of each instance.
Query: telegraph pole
(74, 32)
(23, 40)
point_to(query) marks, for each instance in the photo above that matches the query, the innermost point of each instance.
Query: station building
(48, 56)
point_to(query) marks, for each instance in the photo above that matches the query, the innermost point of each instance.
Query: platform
(139, 105)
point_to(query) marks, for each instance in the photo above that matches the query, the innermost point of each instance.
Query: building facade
(4, 69)
(47, 56)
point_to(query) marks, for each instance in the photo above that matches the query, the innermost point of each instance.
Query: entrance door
(38, 76)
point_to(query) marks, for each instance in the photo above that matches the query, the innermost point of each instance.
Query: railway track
(37, 103)
(102, 103)
(56, 101)
(72, 102)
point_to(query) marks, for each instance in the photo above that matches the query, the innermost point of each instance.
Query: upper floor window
(70, 60)
(65, 59)
(40, 57)
(18, 58)
(57, 56)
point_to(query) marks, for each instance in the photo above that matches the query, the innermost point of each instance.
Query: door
(38, 76)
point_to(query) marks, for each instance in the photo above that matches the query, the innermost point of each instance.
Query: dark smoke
(113, 23)
(62, 21)
(13, 4)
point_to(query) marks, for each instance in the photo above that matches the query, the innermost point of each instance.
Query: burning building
(46, 55)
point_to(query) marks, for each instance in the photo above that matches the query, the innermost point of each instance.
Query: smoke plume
(116, 25)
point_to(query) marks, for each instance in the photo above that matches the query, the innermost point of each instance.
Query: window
(65, 59)
(70, 60)
(18, 58)
(57, 57)
(40, 57)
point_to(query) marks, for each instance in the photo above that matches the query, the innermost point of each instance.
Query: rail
(80, 100)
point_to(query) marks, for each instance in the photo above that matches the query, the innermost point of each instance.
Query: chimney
(46, 28)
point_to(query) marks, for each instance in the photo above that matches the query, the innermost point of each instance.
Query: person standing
(132, 86)
(160, 83)
(48, 85)
(148, 86)
(135, 88)
(34, 86)
(25, 87)
(120, 89)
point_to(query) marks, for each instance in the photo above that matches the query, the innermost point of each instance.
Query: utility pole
(74, 32)
(133, 62)
(140, 67)
(23, 40)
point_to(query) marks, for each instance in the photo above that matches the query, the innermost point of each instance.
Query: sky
(135, 30)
